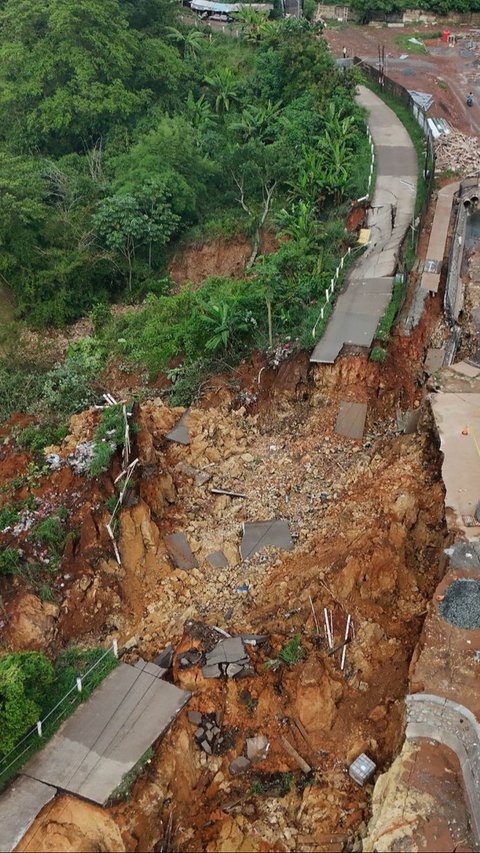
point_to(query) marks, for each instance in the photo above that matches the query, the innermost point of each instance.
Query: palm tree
(201, 116)
(254, 23)
(300, 223)
(190, 42)
(259, 122)
(224, 85)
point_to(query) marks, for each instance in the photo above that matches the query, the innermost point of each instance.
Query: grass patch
(71, 664)
(385, 325)
(404, 43)
(50, 532)
(292, 652)
(378, 354)
(37, 437)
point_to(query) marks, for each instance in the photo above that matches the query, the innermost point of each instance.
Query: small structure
(362, 769)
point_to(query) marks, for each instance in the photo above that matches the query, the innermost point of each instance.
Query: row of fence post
(334, 280)
(372, 161)
(79, 683)
(331, 288)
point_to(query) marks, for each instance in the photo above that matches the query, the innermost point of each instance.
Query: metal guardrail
(30, 740)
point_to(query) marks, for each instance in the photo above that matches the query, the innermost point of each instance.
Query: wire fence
(408, 246)
(43, 729)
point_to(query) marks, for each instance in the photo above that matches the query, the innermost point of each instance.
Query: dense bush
(25, 679)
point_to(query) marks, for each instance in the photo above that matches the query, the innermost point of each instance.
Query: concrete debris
(190, 658)
(257, 748)
(239, 765)
(351, 419)
(81, 457)
(195, 717)
(217, 560)
(362, 769)
(180, 552)
(165, 658)
(180, 432)
(209, 735)
(260, 534)
(53, 461)
(229, 658)
(457, 152)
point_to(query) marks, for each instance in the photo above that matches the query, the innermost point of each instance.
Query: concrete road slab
(180, 552)
(217, 560)
(466, 369)
(455, 414)
(260, 534)
(397, 160)
(356, 314)
(19, 806)
(94, 749)
(180, 432)
(351, 419)
(434, 359)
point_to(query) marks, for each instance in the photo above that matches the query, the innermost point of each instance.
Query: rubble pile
(457, 152)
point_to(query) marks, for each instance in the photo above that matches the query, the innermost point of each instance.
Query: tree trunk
(267, 198)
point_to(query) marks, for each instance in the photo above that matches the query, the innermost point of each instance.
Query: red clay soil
(222, 257)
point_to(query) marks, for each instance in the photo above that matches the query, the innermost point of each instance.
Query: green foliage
(385, 325)
(37, 437)
(9, 516)
(10, 561)
(25, 680)
(378, 354)
(292, 652)
(109, 435)
(50, 532)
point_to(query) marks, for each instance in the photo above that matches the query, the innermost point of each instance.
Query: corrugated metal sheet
(226, 8)
(438, 126)
(423, 99)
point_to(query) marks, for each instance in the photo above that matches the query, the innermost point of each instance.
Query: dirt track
(447, 73)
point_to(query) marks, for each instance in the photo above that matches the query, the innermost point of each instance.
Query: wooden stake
(327, 628)
(317, 626)
(295, 755)
(269, 316)
(344, 652)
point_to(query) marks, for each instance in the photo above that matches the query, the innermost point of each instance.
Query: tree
(300, 223)
(191, 42)
(24, 681)
(125, 222)
(65, 69)
(259, 122)
(224, 85)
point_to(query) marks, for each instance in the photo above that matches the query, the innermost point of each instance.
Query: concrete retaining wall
(453, 725)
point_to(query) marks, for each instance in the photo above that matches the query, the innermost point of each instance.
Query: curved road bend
(369, 283)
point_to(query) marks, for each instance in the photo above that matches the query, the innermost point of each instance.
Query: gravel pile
(461, 605)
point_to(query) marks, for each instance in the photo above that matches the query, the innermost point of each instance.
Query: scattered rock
(239, 765)
(195, 717)
(257, 748)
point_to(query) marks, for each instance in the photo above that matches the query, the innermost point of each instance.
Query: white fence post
(79, 685)
(39, 728)
(115, 648)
